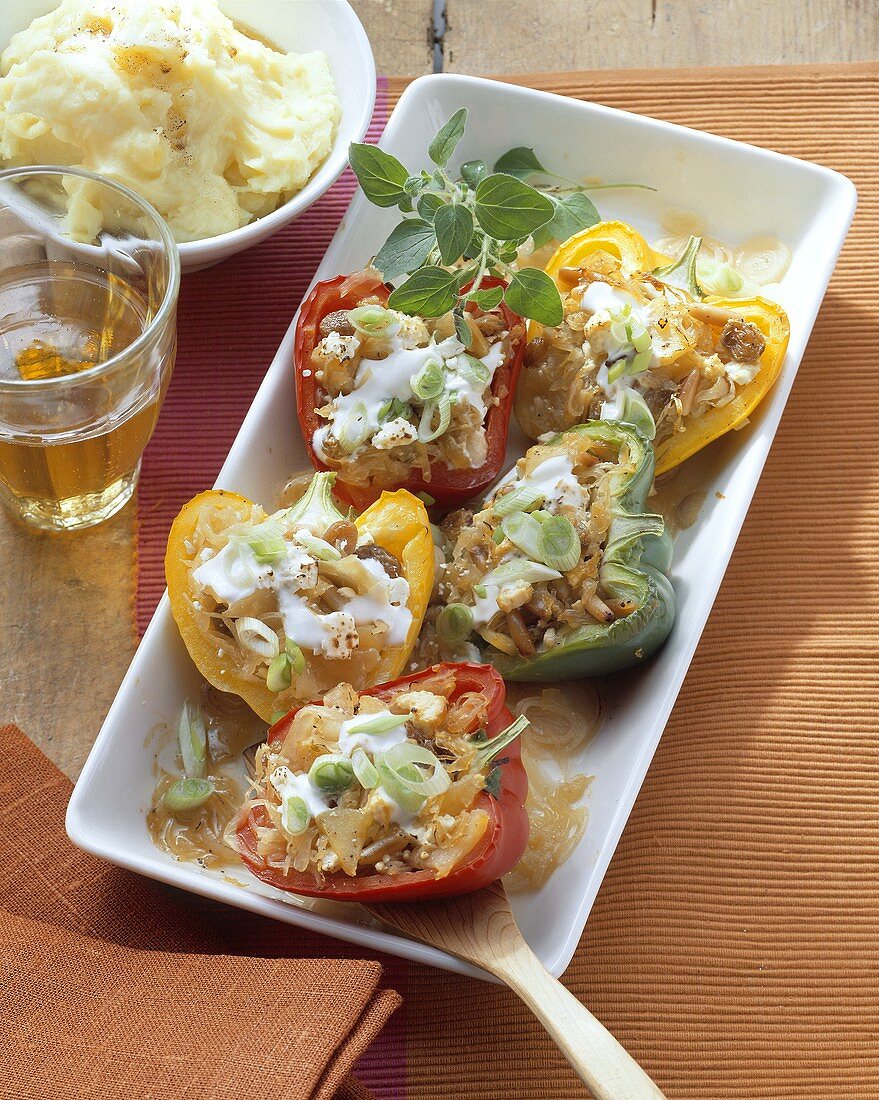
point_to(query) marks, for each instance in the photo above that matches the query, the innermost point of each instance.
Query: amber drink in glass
(89, 276)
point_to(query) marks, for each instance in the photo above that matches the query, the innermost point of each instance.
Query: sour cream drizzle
(378, 381)
(234, 574)
(554, 478)
(602, 300)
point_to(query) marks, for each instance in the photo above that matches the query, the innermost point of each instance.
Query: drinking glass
(89, 276)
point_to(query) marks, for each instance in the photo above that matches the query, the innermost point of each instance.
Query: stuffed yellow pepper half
(280, 608)
(641, 343)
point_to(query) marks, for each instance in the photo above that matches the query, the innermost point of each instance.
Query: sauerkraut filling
(300, 597)
(632, 345)
(401, 393)
(366, 786)
(525, 570)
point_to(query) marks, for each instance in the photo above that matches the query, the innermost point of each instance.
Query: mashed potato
(211, 127)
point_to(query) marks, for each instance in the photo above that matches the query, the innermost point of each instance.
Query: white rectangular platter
(741, 192)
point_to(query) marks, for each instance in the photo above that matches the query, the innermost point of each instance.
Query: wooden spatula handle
(598, 1059)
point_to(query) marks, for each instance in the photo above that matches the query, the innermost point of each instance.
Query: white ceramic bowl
(297, 26)
(741, 192)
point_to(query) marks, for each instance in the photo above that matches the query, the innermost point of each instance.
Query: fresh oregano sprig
(465, 229)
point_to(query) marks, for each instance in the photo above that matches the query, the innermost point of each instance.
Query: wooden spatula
(481, 929)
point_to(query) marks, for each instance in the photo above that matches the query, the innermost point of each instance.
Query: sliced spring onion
(559, 545)
(480, 590)
(490, 749)
(193, 737)
(618, 333)
(720, 279)
(429, 382)
(426, 499)
(318, 548)
(641, 340)
(619, 325)
(631, 408)
(267, 542)
(267, 549)
(400, 770)
(295, 817)
(616, 370)
(473, 369)
(257, 637)
(497, 536)
(393, 409)
(442, 406)
(454, 623)
(641, 361)
(523, 530)
(355, 428)
(187, 794)
(374, 321)
(331, 773)
(279, 676)
(295, 656)
(524, 498)
(376, 723)
(511, 571)
(365, 771)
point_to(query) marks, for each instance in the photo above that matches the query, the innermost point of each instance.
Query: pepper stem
(491, 748)
(316, 509)
(682, 272)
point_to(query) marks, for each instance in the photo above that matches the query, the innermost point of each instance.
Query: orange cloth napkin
(113, 986)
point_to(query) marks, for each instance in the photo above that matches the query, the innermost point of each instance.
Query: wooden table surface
(482, 37)
(66, 633)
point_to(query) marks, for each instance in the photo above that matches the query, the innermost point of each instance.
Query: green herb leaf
(508, 209)
(429, 292)
(407, 248)
(428, 205)
(487, 299)
(382, 177)
(573, 213)
(454, 228)
(462, 330)
(473, 172)
(474, 248)
(533, 294)
(520, 162)
(493, 782)
(465, 275)
(443, 145)
(542, 236)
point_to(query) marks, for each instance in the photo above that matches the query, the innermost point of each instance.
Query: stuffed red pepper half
(393, 401)
(414, 789)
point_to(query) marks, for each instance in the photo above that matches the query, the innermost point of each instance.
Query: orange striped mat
(733, 947)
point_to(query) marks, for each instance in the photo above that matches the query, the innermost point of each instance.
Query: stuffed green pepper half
(561, 573)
